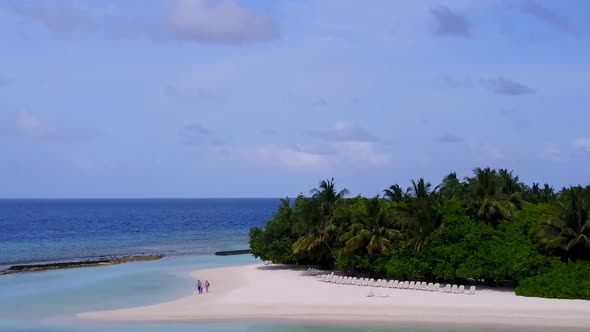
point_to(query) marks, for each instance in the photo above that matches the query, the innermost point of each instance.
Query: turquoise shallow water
(48, 301)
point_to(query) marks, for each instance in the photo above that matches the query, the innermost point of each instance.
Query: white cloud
(343, 132)
(223, 21)
(28, 125)
(363, 154)
(285, 157)
(203, 20)
(551, 152)
(583, 144)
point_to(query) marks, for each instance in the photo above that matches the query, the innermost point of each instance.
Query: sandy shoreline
(282, 295)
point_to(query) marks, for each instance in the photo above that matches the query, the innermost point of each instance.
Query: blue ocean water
(54, 230)
(188, 231)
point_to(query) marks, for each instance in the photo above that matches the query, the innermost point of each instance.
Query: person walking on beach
(207, 284)
(199, 287)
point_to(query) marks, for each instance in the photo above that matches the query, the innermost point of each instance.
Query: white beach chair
(430, 287)
(385, 283)
(394, 284)
(377, 283)
(353, 281)
(371, 282)
(436, 287)
(454, 289)
(349, 281)
(423, 286)
(412, 285)
(446, 289)
(405, 285)
(471, 291)
(461, 289)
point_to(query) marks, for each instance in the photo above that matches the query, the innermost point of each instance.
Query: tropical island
(489, 229)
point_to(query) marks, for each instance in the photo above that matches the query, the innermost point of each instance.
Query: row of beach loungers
(415, 285)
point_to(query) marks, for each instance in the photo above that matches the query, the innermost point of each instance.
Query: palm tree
(536, 194)
(509, 184)
(486, 197)
(394, 193)
(316, 218)
(451, 187)
(421, 189)
(373, 231)
(421, 216)
(568, 233)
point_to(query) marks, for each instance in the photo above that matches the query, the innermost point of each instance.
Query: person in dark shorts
(199, 287)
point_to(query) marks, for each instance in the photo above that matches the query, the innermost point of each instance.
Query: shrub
(405, 263)
(274, 242)
(563, 281)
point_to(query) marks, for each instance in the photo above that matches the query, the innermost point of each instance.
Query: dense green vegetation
(488, 228)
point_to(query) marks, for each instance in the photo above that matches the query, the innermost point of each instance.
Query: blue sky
(265, 98)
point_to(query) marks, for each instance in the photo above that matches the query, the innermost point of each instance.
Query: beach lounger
(471, 291)
(446, 289)
(436, 287)
(422, 286)
(394, 284)
(378, 283)
(412, 285)
(461, 289)
(354, 281)
(349, 281)
(371, 282)
(406, 285)
(385, 283)
(430, 287)
(454, 289)
(367, 281)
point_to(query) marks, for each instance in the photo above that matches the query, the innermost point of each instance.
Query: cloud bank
(202, 21)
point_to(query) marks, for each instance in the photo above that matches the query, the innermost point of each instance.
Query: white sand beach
(282, 294)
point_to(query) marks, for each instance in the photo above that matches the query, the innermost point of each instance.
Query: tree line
(488, 228)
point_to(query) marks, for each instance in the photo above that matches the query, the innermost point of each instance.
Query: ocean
(187, 231)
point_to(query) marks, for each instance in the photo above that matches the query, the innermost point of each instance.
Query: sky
(235, 98)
